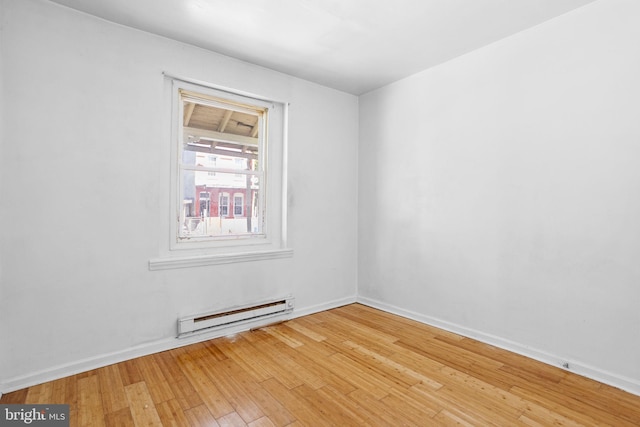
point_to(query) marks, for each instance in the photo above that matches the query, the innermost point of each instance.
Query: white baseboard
(61, 371)
(626, 384)
(325, 306)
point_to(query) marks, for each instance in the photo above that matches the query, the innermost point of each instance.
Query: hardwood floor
(351, 366)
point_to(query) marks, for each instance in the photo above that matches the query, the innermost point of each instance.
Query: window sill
(204, 260)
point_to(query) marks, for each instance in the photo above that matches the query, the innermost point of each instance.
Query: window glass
(221, 144)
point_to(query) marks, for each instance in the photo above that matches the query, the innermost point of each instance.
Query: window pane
(220, 169)
(219, 205)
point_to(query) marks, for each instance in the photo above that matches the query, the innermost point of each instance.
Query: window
(238, 202)
(221, 147)
(228, 173)
(224, 204)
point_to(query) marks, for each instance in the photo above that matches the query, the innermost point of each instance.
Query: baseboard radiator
(213, 320)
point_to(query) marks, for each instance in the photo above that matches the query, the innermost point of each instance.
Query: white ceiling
(351, 45)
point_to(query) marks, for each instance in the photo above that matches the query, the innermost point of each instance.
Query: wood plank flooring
(350, 366)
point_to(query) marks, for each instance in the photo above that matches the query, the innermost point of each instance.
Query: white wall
(85, 98)
(520, 224)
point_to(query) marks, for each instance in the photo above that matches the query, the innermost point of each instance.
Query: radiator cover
(219, 319)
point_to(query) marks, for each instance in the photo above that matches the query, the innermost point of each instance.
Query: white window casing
(265, 235)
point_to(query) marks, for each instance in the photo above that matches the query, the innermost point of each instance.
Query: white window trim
(232, 249)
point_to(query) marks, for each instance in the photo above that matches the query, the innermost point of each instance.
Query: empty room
(320, 212)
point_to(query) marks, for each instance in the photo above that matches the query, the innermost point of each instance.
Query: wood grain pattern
(350, 366)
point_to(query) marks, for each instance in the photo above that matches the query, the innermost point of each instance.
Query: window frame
(272, 242)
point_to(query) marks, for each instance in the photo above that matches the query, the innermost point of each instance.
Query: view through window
(221, 149)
